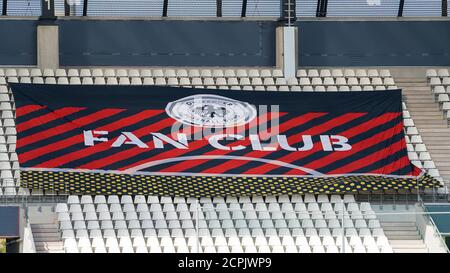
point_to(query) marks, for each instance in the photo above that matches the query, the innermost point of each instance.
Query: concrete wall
(10, 222)
(18, 42)
(166, 43)
(28, 245)
(374, 43)
(327, 42)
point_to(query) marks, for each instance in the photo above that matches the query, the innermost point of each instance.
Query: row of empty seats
(208, 81)
(439, 81)
(140, 199)
(271, 224)
(417, 150)
(184, 73)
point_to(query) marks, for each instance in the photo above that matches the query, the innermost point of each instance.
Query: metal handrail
(346, 8)
(433, 225)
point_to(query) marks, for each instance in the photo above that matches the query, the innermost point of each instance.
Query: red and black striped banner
(199, 142)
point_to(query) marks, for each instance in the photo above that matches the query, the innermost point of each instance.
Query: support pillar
(48, 46)
(286, 50)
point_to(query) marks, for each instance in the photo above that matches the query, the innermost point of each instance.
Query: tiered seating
(439, 81)
(417, 150)
(238, 79)
(9, 167)
(244, 224)
(345, 80)
(329, 80)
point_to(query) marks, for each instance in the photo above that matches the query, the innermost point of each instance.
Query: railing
(228, 8)
(333, 226)
(434, 227)
(16, 195)
(341, 215)
(12, 192)
(381, 198)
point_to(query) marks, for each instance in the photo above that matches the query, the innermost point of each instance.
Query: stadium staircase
(47, 238)
(428, 119)
(404, 237)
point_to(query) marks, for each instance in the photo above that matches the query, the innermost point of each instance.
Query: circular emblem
(206, 110)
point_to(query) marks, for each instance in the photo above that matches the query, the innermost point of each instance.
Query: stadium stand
(244, 224)
(312, 80)
(439, 81)
(153, 224)
(240, 79)
(367, 222)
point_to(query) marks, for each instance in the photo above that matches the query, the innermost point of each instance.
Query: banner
(199, 142)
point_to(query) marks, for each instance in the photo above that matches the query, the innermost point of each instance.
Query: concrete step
(428, 115)
(412, 250)
(444, 170)
(435, 122)
(432, 126)
(418, 245)
(404, 233)
(443, 156)
(398, 224)
(47, 238)
(437, 146)
(399, 228)
(49, 244)
(404, 237)
(425, 113)
(425, 102)
(46, 225)
(406, 243)
(420, 110)
(419, 95)
(410, 85)
(416, 97)
(54, 238)
(443, 163)
(416, 101)
(435, 130)
(430, 121)
(55, 251)
(46, 250)
(425, 110)
(413, 89)
(433, 134)
(49, 248)
(418, 114)
(44, 230)
(437, 139)
(409, 78)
